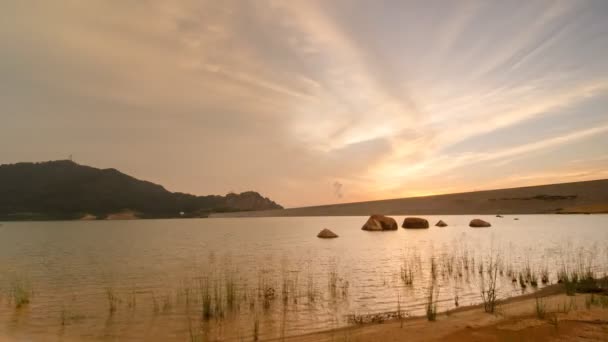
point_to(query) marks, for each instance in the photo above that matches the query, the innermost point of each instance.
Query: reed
(112, 300)
(205, 293)
(488, 290)
(541, 308)
(230, 287)
(431, 303)
(544, 276)
(132, 300)
(407, 275)
(332, 283)
(310, 288)
(155, 306)
(20, 292)
(256, 328)
(167, 303)
(522, 281)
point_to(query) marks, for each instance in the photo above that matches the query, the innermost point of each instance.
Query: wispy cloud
(386, 100)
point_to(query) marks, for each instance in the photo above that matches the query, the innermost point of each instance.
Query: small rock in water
(415, 223)
(441, 224)
(327, 234)
(478, 223)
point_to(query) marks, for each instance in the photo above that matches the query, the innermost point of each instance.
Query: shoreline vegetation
(548, 314)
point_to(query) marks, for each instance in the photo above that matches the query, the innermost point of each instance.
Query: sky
(310, 102)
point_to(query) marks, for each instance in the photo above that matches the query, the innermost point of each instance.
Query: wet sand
(567, 318)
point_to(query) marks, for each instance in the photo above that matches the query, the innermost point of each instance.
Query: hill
(66, 190)
(565, 198)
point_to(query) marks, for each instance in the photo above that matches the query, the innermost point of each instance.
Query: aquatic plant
(407, 275)
(544, 276)
(310, 288)
(489, 293)
(332, 283)
(20, 292)
(431, 303)
(256, 329)
(399, 314)
(155, 306)
(112, 300)
(231, 290)
(205, 293)
(522, 282)
(166, 303)
(541, 309)
(132, 300)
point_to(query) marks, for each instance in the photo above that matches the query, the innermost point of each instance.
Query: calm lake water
(232, 279)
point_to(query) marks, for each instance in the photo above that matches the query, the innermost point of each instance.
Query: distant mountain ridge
(64, 189)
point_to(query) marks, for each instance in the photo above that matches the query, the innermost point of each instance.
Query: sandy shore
(567, 318)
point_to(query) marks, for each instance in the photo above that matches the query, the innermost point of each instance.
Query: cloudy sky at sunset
(310, 102)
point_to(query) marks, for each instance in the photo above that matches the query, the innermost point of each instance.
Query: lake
(238, 278)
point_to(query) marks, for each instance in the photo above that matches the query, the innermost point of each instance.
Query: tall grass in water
(112, 300)
(399, 313)
(20, 292)
(231, 291)
(488, 287)
(431, 302)
(541, 309)
(256, 328)
(310, 288)
(407, 275)
(205, 293)
(332, 283)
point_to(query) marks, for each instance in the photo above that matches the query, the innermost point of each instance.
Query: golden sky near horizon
(310, 102)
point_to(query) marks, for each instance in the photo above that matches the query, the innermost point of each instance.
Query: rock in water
(441, 224)
(327, 234)
(478, 223)
(415, 223)
(379, 223)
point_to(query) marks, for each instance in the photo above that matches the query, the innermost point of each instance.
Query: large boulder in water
(441, 224)
(379, 223)
(478, 223)
(415, 223)
(327, 234)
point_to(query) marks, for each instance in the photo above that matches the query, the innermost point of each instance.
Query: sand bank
(567, 318)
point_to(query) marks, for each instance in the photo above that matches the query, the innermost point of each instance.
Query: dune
(572, 198)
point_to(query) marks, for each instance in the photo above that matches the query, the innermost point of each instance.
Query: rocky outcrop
(327, 234)
(478, 223)
(379, 223)
(415, 223)
(250, 200)
(441, 224)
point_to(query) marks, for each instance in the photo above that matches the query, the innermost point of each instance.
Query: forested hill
(66, 190)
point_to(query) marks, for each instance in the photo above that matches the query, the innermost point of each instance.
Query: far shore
(583, 316)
